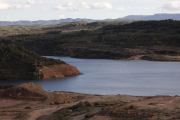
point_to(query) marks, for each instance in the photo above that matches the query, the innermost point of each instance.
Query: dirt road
(48, 110)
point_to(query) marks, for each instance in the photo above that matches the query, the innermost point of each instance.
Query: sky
(15, 10)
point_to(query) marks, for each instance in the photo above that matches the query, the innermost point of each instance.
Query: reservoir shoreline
(105, 77)
(41, 104)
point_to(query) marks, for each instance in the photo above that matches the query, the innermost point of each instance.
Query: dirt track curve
(50, 98)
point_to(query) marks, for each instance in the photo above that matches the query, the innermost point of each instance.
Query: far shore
(149, 57)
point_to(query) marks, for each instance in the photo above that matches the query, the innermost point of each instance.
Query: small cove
(103, 76)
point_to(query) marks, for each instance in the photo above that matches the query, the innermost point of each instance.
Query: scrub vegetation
(18, 63)
(106, 39)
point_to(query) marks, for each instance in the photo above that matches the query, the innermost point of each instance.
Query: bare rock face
(59, 71)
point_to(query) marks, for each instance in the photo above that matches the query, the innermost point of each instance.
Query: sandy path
(50, 97)
(49, 110)
(37, 113)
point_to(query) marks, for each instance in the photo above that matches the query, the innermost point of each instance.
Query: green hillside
(18, 63)
(118, 39)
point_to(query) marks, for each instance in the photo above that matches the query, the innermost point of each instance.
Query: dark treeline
(119, 39)
(147, 25)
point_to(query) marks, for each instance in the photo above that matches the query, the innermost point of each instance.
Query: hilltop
(17, 63)
(153, 17)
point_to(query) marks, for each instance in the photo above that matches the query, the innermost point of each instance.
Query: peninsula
(17, 63)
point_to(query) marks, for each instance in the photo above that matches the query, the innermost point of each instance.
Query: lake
(103, 76)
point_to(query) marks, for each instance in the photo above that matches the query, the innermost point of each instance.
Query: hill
(153, 17)
(124, 39)
(42, 22)
(17, 63)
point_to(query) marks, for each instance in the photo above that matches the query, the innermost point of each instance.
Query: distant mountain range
(42, 22)
(54, 22)
(153, 17)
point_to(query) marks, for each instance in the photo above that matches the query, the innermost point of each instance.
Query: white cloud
(69, 4)
(7, 17)
(45, 9)
(84, 5)
(102, 5)
(4, 6)
(172, 6)
(26, 7)
(61, 16)
(71, 7)
(60, 8)
(33, 2)
(18, 6)
(120, 8)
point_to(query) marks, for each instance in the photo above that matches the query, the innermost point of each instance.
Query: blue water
(103, 76)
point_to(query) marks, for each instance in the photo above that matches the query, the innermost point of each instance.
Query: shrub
(132, 107)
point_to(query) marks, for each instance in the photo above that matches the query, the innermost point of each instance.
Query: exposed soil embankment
(59, 71)
(25, 91)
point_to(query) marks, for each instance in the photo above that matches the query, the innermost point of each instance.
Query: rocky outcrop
(59, 71)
